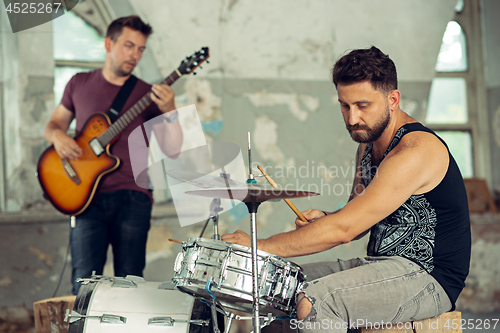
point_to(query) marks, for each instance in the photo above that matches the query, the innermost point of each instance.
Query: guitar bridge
(96, 147)
(70, 171)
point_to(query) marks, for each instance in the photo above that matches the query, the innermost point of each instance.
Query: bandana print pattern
(408, 232)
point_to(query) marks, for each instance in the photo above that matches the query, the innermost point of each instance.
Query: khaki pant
(365, 292)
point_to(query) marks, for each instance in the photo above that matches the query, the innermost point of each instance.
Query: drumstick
(176, 241)
(289, 203)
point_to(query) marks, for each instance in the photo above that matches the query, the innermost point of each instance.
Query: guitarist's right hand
(66, 146)
(55, 133)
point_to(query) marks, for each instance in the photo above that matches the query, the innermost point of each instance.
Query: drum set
(224, 276)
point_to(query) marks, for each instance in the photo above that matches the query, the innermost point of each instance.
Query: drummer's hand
(238, 237)
(311, 215)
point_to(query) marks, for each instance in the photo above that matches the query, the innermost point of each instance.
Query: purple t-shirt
(89, 93)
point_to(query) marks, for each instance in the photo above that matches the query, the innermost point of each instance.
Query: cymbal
(252, 193)
(203, 180)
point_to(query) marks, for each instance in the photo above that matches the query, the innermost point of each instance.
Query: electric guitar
(70, 185)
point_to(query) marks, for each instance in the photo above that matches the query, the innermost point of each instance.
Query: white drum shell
(138, 305)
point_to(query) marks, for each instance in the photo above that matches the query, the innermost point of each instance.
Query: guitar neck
(121, 123)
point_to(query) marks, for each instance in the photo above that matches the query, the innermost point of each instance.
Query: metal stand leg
(229, 322)
(215, 324)
(252, 209)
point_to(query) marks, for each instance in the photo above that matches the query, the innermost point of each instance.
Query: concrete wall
(28, 101)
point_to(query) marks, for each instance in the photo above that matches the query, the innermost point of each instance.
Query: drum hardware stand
(264, 321)
(215, 208)
(216, 306)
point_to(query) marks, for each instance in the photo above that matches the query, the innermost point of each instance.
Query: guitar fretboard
(119, 125)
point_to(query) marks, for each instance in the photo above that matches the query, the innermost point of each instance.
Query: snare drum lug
(161, 321)
(113, 319)
(123, 283)
(263, 275)
(178, 262)
(170, 285)
(135, 278)
(191, 262)
(169, 321)
(223, 269)
(93, 278)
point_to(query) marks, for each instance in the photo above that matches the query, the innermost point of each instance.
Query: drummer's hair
(366, 65)
(134, 22)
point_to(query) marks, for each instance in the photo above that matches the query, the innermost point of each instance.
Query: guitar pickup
(70, 171)
(96, 147)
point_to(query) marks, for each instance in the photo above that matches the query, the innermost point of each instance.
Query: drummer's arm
(357, 188)
(400, 175)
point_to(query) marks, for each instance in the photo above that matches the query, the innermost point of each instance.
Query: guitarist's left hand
(163, 96)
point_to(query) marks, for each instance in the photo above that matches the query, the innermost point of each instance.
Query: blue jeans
(120, 218)
(366, 292)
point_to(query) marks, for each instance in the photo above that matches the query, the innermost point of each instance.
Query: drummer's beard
(365, 134)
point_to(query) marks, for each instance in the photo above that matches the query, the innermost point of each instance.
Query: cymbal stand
(252, 209)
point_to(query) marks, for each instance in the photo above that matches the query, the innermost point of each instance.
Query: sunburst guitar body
(70, 184)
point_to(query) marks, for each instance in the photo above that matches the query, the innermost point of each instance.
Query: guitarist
(120, 211)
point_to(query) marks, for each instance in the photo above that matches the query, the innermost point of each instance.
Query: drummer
(409, 194)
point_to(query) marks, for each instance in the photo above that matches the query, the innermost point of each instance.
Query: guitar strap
(121, 98)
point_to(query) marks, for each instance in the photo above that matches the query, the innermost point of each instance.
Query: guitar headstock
(189, 64)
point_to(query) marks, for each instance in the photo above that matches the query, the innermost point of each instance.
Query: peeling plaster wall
(491, 26)
(482, 291)
(28, 78)
(296, 39)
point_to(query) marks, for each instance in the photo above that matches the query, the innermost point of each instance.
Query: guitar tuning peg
(207, 62)
(194, 73)
(201, 67)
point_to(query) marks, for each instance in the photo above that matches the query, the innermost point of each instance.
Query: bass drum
(126, 305)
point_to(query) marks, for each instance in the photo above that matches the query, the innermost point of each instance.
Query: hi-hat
(252, 193)
(203, 180)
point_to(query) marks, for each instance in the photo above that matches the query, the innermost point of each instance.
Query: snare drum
(113, 304)
(208, 267)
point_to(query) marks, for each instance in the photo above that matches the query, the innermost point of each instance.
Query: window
(453, 53)
(452, 110)
(74, 52)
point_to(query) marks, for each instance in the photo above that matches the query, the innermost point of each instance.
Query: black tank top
(431, 229)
